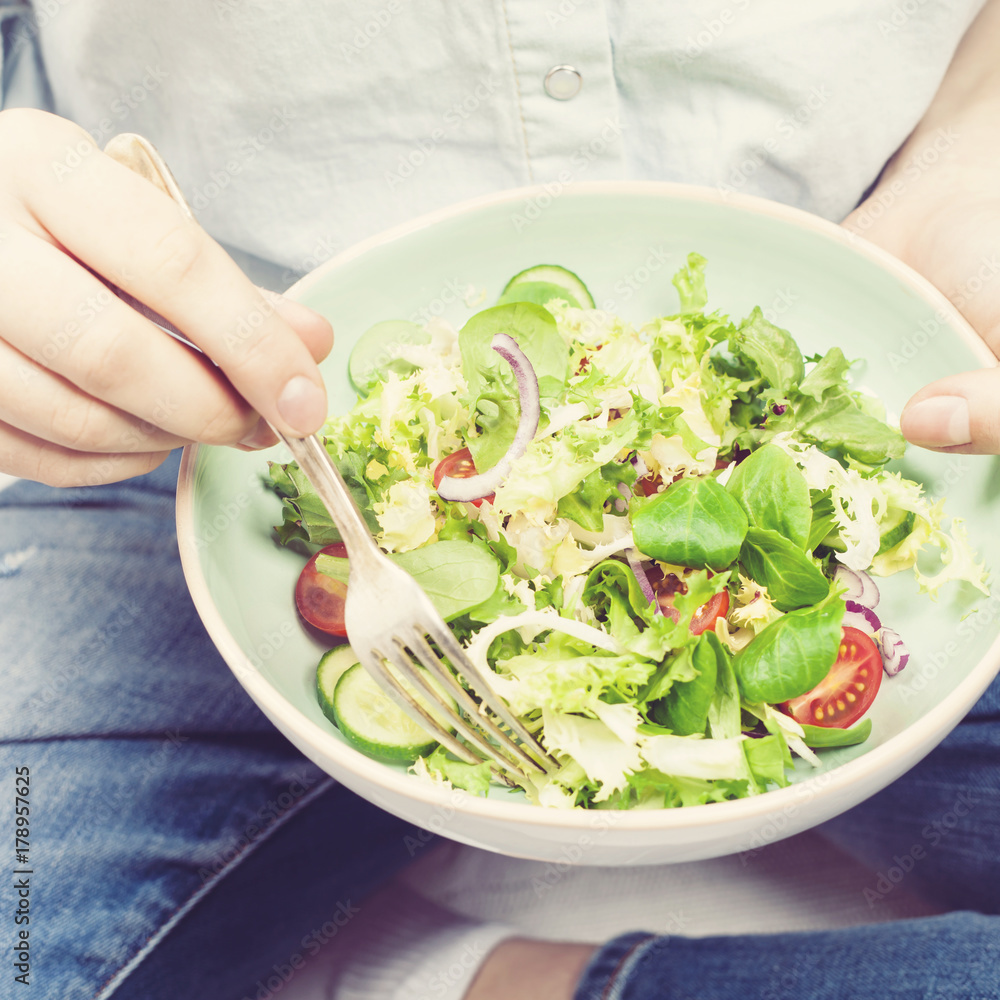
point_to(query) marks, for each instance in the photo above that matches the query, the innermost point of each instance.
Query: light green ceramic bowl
(625, 240)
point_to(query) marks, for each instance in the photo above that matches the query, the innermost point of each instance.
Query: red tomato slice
(459, 465)
(848, 690)
(704, 618)
(320, 598)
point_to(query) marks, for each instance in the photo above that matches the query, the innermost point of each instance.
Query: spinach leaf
(685, 708)
(724, 716)
(457, 576)
(767, 757)
(793, 654)
(823, 518)
(820, 737)
(772, 350)
(694, 522)
(492, 388)
(792, 579)
(774, 494)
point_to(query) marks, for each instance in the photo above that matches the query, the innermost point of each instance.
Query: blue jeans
(180, 847)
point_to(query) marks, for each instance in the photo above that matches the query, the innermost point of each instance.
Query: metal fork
(386, 635)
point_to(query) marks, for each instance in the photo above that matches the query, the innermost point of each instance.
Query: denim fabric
(936, 830)
(152, 774)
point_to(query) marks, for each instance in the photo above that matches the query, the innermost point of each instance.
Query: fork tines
(475, 726)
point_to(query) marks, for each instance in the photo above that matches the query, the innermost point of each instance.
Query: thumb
(960, 413)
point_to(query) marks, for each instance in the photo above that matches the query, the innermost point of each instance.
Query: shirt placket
(566, 90)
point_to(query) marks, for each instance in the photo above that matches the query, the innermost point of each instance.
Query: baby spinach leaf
(694, 522)
(724, 715)
(685, 708)
(792, 579)
(772, 350)
(823, 518)
(793, 654)
(831, 370)
(492, 388)
(774, 494)
(456, 575)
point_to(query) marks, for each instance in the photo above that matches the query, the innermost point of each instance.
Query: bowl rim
(922, 735)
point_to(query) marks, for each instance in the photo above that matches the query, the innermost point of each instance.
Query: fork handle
(329, 484)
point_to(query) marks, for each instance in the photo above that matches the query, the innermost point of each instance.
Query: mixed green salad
(659, 540)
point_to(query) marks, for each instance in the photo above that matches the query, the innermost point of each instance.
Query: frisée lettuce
(652, 582)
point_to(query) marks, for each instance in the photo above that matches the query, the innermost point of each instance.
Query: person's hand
(946, 225)
(92, 392)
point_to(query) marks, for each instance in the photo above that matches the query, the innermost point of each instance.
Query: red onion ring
(860, 586)
(895, 655)
(485, 483)
(640, 576)
(862, 618)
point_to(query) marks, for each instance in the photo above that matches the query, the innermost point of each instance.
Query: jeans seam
(610, 991)
(113, 982)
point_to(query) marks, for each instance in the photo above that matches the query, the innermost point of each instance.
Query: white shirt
(297, 128)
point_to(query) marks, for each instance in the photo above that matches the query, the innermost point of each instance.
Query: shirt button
(563, 82)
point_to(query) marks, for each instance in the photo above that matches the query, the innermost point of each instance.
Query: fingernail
(938, 422)
(260, 437)
(302, 405)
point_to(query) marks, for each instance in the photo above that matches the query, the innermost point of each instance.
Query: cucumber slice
(373, 723)
(377, 352)
(896, 525)
(553, 274)
(333, 665)
(539, 292)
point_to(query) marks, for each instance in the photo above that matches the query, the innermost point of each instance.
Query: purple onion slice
(860, 586)
(640, 575)
(895, 655)
(485, 483)
(862, 618)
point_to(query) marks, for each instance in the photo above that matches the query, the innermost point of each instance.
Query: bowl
(625, 239)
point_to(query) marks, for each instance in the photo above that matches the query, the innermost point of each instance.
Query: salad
(660, 540)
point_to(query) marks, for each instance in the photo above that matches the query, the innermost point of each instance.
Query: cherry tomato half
(848, 690)
(667, 587)
(320, 598)
(459, 465)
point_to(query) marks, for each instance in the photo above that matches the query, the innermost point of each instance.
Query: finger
(45, 405)
(314, 329)
(149, 248)
(28, 457)
(960, 413)
(78, 329)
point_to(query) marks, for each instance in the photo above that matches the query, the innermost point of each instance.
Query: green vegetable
(774, 494)
(793, 654)
(776, 356)
(821, 737)
(538, 292)
(792, 579)
(685, 708)
(895, 526)
(377, 352)
(456, 575)
(694, 522)
(492, 388)
(374, 724)
(473, 778)
(570, 285)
